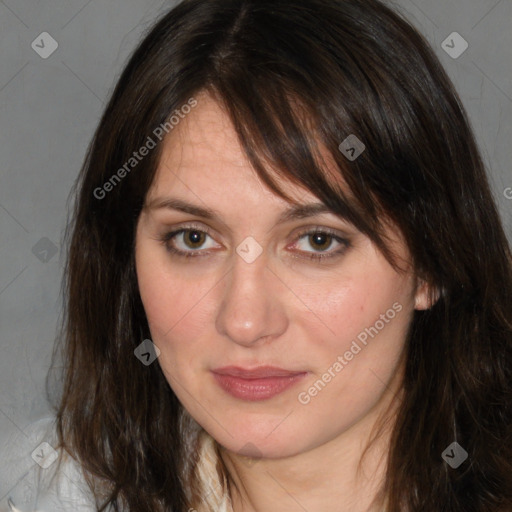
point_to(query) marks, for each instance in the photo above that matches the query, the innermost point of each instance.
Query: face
(230, 285)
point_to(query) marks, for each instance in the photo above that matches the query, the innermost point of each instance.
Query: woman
(288, 285)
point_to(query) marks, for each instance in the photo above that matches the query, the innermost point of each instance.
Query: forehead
(203, 152)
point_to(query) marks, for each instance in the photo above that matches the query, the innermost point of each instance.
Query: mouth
(256, 384)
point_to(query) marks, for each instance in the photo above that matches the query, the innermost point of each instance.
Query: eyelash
(318, 256)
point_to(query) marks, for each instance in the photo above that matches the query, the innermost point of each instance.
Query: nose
(251, 311)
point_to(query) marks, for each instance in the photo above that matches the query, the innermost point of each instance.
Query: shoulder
(52, 481)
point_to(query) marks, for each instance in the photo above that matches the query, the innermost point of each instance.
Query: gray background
(48, 111)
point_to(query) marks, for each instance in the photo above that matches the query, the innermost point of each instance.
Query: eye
(192, 241)
(321, 240)
(188, 241)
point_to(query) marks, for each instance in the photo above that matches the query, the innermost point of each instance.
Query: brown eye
(189, 241)
(320, 244)
(321, 241)
(194, 239)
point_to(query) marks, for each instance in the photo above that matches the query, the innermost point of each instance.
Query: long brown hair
(294, 74)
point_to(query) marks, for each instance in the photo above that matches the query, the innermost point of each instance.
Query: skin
(282, 309)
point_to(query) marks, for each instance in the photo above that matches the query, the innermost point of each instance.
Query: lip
(259, 372)
(261, 383)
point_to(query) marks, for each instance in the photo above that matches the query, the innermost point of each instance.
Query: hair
(295, 76)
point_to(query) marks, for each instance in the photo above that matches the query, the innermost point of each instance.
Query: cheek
(357, 306)
(176, 307)
(356, 345)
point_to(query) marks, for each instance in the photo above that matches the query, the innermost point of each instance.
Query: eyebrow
(295, 212)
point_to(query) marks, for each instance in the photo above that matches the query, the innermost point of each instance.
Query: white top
(31, 479)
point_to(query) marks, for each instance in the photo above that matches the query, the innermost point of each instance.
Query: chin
(261, 443)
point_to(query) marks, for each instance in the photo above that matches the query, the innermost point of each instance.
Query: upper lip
(255, 373)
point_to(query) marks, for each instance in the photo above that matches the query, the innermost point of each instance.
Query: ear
(426, 295)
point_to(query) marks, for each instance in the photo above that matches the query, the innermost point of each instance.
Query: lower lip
(256, 389)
